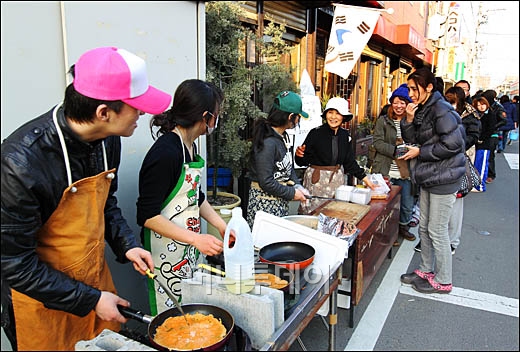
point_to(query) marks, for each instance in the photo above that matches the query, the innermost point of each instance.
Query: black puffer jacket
(33, 181)
(438, 130)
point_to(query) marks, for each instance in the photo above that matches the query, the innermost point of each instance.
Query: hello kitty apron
(176, 260)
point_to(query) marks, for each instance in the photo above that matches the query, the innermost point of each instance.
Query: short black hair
(464, 81)
(81, 108)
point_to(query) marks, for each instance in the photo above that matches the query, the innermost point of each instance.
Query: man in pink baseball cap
(59, 208)
(110, 73)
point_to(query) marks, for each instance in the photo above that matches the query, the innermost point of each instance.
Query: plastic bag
(341, 229)
(379, 181)
(513, 134)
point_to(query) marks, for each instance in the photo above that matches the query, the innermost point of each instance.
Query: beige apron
(176, 260)
(71, 241)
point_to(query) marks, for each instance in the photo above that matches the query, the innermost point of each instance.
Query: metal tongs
(325, 198)
(168, 292)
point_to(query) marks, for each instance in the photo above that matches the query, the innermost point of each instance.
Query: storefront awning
(404, 39)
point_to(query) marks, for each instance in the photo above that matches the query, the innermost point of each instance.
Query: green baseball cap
(290, 102)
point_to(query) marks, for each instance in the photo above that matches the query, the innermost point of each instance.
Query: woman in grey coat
(437, 166)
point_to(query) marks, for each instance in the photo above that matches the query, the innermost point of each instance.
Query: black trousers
(491, 163)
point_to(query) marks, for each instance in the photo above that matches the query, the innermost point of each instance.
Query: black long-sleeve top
(160, 172)
(318, 150)
(488, 121)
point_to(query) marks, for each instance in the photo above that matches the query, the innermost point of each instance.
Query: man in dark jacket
(466, 87)
(511, 123)
(59, 179)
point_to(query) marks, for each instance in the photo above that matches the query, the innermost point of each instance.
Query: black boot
(403, 231)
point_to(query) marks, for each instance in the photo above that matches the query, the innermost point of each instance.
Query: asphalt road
(481, 313)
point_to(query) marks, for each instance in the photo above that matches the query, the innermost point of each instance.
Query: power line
(500, 34)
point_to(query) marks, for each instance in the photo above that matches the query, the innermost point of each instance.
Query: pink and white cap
(109, 73)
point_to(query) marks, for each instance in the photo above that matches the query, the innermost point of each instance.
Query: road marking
(371, 323)
(369, 327)
(512, 160)
(471, 299)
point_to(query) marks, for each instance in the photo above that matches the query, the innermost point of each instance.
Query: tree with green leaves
(245, 88)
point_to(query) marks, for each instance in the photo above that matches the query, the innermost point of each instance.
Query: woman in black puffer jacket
(437, 164)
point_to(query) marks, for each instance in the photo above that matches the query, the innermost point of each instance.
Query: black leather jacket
(33, 180)
(437, 129)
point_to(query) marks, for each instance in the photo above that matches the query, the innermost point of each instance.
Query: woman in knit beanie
(388, 144)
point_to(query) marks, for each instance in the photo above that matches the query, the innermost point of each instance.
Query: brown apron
(72, 241)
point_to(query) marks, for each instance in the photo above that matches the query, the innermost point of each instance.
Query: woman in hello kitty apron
(170, 201)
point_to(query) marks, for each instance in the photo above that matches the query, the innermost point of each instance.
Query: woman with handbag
(471, 122)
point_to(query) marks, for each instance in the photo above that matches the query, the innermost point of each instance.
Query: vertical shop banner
(311, 105)
(453, 32)
(351, 30)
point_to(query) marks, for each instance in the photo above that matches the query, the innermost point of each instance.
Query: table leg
(333, 314)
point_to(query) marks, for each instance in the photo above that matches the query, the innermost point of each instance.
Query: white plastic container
(360, 195)
(239, 259)
(344, 192)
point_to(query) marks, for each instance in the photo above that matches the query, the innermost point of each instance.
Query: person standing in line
(466, 87)
(170, 201)
(500, 118)
(59, 205)
(486, 141)
(437, 165)
(471, 122)
(387, 138)
(440, 85)
(273, 179)
(511, 123)
(327, 152)
(516, 101)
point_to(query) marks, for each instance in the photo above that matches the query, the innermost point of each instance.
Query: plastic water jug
(239, 256)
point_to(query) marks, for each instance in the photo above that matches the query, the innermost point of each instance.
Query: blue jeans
(502, 142)
(433, 231)
(407, 200)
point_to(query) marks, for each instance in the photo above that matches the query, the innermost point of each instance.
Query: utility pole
(479, 49)
(475, 51)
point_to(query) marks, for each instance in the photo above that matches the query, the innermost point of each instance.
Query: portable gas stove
(291, 298)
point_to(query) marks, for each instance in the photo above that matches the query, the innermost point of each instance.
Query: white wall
(40, 40)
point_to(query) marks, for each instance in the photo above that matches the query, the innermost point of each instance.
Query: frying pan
(154, 322)
(291, 255)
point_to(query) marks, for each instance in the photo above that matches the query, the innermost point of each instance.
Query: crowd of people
(419, 117)
(60, 177)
